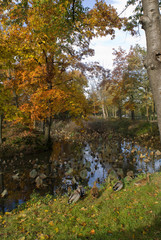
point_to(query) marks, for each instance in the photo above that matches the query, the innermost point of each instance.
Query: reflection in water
(69, 164)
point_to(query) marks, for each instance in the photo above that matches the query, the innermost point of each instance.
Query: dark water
(69, 163)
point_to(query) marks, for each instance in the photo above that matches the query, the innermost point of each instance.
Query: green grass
(132, 213)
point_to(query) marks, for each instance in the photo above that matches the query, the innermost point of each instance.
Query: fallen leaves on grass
(92, 232)
(51, 223)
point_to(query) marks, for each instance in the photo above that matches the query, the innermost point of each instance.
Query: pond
(70, 163)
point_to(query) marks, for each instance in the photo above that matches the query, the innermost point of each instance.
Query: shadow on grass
(151, 232)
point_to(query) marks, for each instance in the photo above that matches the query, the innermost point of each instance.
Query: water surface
(70, 163)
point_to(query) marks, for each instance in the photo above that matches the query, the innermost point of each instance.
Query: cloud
(103, 45)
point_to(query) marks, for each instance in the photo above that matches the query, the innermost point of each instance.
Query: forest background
(43, 72)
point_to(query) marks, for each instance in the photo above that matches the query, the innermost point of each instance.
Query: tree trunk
(1, 182)
(43, 126)
(14, 90)
(115, 112)
(147, 112)
(132, 115)
(106, 112)
(153, 110)
(103, 111)
(48, 129)
(120, 112)
(152, 26)
(34, 124)
(94, 108)
(0, 128)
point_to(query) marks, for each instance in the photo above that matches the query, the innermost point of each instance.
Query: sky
(103, 45)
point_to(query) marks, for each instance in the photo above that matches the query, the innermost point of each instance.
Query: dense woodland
(94, 174)
(43, 73)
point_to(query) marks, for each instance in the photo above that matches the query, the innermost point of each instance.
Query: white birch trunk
(103, 111)
(152, 26)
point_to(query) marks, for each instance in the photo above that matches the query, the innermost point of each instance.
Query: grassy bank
(132, 213)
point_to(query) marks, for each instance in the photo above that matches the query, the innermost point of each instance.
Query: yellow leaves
(83, 209)
(80, 234)
(7, 213)
(23, 214)
(92, 232)
(22, 238)
(4, 221)
(83, 224)
(56, 230)
(104, 18)
(22, 220)
(42, 236)
(51, 223)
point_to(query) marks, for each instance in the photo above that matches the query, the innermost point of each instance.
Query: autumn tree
(116, 85)
(48, 39)
(8, 107)
(127, 88)
(43, 40)
(135, 81)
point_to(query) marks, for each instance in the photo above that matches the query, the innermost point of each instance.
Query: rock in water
(4, 193)
(33, 173)
(39, 182)
(83, 174)
(157, 153)
(42, 176)
(69, 172)
(16, 177)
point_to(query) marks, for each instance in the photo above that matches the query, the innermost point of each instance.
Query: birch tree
(147, 11)
(151, 22)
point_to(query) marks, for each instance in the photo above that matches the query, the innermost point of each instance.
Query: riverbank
(18, 140)
(132, 213)
(143, 132)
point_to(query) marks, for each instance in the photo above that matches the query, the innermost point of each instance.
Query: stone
(16, 177)
(69, 172)
(83, 174)
(42, 176)
(4, 193)
(88, 164)
(157, 153)
(39, 182)
(33, 173)
(130, 174)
